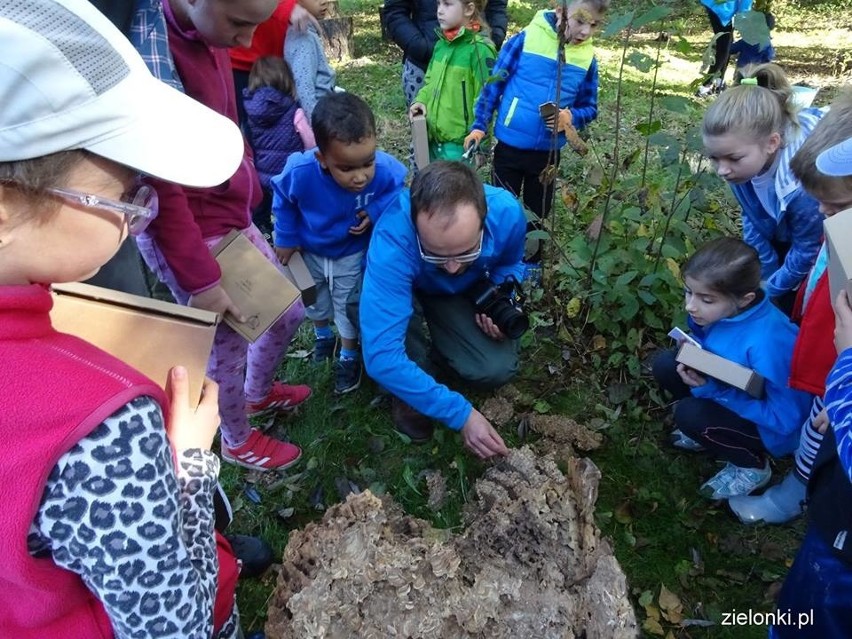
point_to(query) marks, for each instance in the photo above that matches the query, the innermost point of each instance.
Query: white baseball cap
(69, 79)
(837, 160)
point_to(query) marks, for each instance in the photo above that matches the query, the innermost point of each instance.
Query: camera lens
(509, 319)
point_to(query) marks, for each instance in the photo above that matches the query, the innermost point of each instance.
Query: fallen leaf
(668, 600)
(652, 611)
(593, 230)
(572, 309)
(623, 513)
(653, 627)
(598, 343)
(299, 354)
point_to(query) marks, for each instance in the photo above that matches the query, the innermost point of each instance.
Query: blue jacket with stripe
(524, 78)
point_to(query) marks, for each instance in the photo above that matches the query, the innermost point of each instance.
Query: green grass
(663, 533)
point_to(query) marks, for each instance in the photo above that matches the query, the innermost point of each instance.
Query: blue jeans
(817, 591)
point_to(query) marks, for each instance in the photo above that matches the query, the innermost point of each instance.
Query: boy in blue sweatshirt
(325, 202)
(524, 79)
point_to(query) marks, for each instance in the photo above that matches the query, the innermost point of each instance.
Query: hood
(266, 106)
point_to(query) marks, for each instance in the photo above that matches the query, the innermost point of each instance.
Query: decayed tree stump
(529, 563)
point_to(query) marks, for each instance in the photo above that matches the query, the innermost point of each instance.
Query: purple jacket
(272, 130)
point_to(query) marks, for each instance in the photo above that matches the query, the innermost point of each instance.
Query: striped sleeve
(838, 403)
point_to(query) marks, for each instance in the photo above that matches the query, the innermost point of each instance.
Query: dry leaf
(593, 231)
(598, 343)
(652, 612)
(671, 605)
(653, 627)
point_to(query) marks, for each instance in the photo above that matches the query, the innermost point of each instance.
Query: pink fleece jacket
(54, 390)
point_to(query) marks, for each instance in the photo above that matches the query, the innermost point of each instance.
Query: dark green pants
(458, 343)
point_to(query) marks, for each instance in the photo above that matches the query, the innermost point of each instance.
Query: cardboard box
(297, 271)
(257, 286)
(721, 369)
(150, 335)
(420, 138)
(838, 237)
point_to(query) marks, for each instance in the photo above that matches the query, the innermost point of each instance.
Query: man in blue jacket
(429, 248)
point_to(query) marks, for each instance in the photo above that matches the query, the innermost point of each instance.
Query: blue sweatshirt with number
(314, 212)
(395, 271)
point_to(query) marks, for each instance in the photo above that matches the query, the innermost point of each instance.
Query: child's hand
(474, 138)
(363, 225)
(217, 300)
(821, 422)
(842, 323)
(418, 108)
(690, 377)
(284, 254)
(188, 427)
(563, 123)
(300, 18)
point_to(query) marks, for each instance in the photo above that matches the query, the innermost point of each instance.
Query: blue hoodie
(760, 338)
(395, 272)
(795, 219)
(314, 212)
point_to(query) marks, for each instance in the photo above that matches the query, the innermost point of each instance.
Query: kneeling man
(443, 246)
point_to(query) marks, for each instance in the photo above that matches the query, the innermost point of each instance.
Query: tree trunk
(337, 36)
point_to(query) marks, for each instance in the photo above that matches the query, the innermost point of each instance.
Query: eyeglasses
(139, 204)
(440, 260)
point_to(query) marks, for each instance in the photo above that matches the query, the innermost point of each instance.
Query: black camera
(502, 303)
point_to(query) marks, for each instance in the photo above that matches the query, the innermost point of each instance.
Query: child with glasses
(107, 480)
(325, 202)
(177, 246)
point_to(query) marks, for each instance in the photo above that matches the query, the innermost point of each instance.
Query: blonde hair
(760, 105)
(28, 180)
(834, 128)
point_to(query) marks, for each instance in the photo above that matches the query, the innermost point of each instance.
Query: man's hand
(690, 377)
(821, 421)
(191, 427)
(474, 138)
(284, 254)
(842, 323)
(481, 438)
(217, 300)
(363, 225)
(418, 108)
(487, 326)
(300, 18)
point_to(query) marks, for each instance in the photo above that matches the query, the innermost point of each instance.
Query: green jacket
(457, 72)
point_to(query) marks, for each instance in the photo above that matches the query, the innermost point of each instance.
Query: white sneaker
(734, 480)
(685, 442)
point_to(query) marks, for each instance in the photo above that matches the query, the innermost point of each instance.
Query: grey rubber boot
(777, 505)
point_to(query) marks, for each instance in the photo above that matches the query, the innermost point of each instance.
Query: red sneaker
(261, 452)
(281, 397)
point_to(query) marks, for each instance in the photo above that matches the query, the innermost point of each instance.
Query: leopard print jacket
(137, 530)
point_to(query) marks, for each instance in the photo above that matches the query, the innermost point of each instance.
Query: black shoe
(254, 554)
(416, 426)
(324, 349)
(347, 375)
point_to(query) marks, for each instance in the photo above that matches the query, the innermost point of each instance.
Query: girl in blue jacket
(751, 132)
(731, 316)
